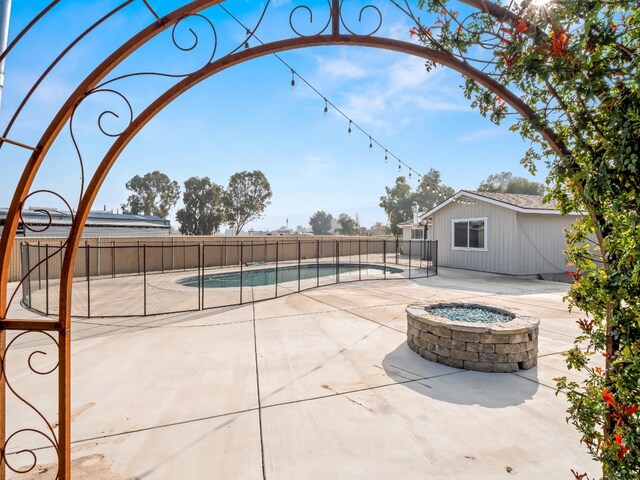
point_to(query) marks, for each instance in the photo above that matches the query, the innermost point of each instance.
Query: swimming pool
(289, 273)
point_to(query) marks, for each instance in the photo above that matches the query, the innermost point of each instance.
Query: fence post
(317, 263)
(359, 259)
(241, 270)
(397, 249)
(144, 272)
(277, 255)
(410, 242)
(28, 278)
(384, 257)
(46, 278)
(299, 255)
(87, 258)
(173, 253)
(39, 267)
(138, 256)
(113, 259)
(201, 276)
(436, 256)
(337, 261)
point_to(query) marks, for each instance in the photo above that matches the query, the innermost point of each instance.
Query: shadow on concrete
(453, 385)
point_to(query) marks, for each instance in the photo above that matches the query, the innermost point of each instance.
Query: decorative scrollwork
(8, 455)
(112, 114)
(310, 13)
(39, 229)
(42, 210)
(369, 7)
(196, 39)
(188, 48)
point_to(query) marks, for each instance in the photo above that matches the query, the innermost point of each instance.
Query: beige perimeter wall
(183, 252)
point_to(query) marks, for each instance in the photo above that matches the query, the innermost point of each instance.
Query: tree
(431, 191)
(203, 212)
(348, 225)
(154, 194)
(379, 227)
(397, 204)
(576, 63)
(246, 198)
(321, 222)
(505, 182)
(399, 200)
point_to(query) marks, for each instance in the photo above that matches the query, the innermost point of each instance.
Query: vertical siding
(541, 240)
(500, 256)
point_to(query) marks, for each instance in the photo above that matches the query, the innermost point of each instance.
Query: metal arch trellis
(336, 29)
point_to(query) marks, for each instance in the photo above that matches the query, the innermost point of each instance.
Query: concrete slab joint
(486, 347)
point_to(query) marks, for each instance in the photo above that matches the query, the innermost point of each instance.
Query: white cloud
(481, 134)
(341, 68)
(395, 90)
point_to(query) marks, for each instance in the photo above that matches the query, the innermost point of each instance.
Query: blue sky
(248, 117)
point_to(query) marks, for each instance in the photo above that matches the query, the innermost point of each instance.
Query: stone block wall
(486, 347)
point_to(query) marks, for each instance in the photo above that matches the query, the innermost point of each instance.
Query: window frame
(421, 230)
(467, 220)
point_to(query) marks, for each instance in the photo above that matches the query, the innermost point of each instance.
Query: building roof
(514, 201)
(40, 216)
(534, 202)
(409, 223)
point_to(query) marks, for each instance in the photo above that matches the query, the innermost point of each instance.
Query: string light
(246, 42)
(327, 102)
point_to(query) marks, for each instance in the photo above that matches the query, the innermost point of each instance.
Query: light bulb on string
(386, 157)
(326, 108)
(370, 144)
(293, 80)
(399, 166)
(409, 174)
(349, 130)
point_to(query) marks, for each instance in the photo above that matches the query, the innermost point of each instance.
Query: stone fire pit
(478, 337)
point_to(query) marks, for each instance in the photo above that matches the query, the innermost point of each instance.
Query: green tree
(321, 222)
(399, 199)
(203, 212)
(576, 63)
(348, 225)
(505, 182)
(153, 194)
(246, 198)
(431, 191)
(397, 204)
(379, 227)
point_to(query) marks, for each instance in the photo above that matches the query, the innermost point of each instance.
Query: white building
(495, 232)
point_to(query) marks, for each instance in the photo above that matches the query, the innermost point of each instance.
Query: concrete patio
(317, 385)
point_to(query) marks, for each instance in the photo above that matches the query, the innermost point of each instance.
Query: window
(469, 234)
(417, 233)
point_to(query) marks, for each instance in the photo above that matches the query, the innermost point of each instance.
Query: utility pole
(5, 13)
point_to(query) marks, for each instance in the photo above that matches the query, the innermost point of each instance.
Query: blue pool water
(267, 276)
